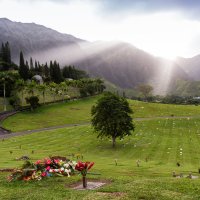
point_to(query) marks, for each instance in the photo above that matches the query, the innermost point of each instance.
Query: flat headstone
(90, 185)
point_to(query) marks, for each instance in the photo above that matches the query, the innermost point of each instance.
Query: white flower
(62, 169)
(51, 170)
(56, 170)
(66, 165)
(67, 170)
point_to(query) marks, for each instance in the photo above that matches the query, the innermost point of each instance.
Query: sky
(166, 28)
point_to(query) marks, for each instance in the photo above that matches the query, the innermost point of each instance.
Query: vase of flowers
(83, 168)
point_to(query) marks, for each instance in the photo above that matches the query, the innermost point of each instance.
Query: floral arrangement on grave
(83, 168)
(47, 167)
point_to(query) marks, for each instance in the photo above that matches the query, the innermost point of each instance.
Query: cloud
(190, 8)
(187, 7)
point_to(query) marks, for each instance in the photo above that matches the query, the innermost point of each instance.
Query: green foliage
(23, 68)
(73, 73)
(55, 72)
(158, 140)
(111, 117)
(8, 78)
(14, 101)
(145, 89)
(185, 88)
(5, 57)
(89, 87)
(33, 101)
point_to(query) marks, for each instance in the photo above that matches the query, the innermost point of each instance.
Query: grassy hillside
(79, 112)
(156, 143)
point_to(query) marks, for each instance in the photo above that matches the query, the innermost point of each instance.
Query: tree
(111, 117)
(7, 53)
(42, 88)
(20, 86)
(23, 68)
(5, 57)
(4, 79)
(31, 87)
(55, 72)
(145, 89)
(33, 101)
(53, 89)
(62, 89)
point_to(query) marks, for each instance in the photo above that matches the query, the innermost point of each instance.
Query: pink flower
(48, 168)
(38, 162)
(56, 161)
(43, 174)
(48, 161)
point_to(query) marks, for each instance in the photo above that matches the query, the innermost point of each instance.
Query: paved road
(9, 135)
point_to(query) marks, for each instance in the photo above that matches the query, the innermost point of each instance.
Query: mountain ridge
(120, 63)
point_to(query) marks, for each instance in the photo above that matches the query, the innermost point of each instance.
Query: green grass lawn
(79, 111)
(159, 141)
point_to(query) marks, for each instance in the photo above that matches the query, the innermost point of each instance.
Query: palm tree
(63, 89)
(53, 89)
(42, 88)
(4, 78)
(31, 87)
(20, 86)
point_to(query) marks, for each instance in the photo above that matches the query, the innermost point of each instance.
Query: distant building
(38, 79)
(69, 79)
(196, 98)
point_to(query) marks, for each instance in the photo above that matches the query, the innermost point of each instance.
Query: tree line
(17, 80)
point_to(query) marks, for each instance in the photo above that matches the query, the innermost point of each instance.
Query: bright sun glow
(165, 35)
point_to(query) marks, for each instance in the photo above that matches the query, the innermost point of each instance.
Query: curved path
(8, 134)
(3, 116)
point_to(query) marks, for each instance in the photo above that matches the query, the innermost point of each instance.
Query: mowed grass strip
(156, 143)
(160, 141)
(79, 111)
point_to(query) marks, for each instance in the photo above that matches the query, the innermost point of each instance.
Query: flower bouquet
(83, 168)
(43, 168)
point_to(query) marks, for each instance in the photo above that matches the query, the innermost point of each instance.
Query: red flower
(43, 174)
(48, 168)
(91, 165)
(48, 161)
(80, 166)
(56, 161)
(38, 162)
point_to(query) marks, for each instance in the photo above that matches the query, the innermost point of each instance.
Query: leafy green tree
(145, 89)
(73, 73)
(100, 87)
(33, 101)
(111, 117)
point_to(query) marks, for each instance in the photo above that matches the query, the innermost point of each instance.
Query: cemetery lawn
(158, 143)
(78, 112)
